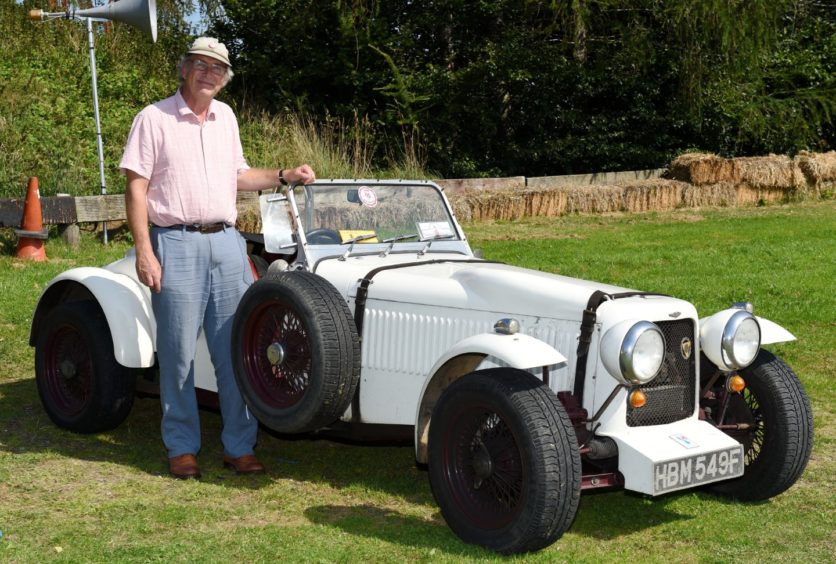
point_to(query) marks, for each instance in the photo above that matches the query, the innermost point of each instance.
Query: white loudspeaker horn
(141, 14)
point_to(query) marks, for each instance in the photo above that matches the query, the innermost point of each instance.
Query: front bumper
(665, 458)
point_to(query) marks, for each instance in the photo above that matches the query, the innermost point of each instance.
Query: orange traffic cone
(32, 234)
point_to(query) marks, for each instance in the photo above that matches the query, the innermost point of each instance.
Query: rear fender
(125, 303)
(517, 351)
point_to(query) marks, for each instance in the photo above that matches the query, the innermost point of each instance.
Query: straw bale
(722, 194)
(818, 166)
(546, 203)
(505, 204)
(819, 170)
(703, 168)
(249, 217)
(770, 172)
(654, 194)
(460, 207)
(750, 195)
(593, 199)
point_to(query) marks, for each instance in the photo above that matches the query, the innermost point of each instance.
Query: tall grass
(333, 147)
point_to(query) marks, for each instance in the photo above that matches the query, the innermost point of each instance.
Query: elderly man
(184, 164)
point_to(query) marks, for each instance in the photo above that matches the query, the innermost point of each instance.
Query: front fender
(772, 333)
(125, 303)
(517, 351)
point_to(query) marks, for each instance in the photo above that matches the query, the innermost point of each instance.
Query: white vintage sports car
(523, 388)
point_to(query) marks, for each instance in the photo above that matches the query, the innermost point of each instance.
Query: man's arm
(136, 205)
(266, 178)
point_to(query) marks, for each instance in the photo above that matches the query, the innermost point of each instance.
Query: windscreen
(338, 213)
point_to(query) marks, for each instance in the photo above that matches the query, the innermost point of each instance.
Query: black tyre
(81, 385)
(259, 266)
(503, 461)
(778, 433)
(295, 351)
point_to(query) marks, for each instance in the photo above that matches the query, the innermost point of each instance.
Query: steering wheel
(323, 236)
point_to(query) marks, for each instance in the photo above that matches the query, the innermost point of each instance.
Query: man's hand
(149, 271)
(148, 268)
(303, 174)
(268, 178)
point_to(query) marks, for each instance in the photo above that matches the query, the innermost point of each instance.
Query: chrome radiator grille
(671, 395)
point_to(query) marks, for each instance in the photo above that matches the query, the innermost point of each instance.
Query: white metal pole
(99, 145)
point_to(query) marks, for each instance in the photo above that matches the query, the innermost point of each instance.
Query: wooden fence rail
(67, 210)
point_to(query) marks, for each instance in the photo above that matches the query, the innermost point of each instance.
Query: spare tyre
(295, 351)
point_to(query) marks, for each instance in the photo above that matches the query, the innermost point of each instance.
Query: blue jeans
(204, 277)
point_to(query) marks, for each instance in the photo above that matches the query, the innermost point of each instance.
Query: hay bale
(703, 168)
(770, 172)
(593, 199)
(722, 194)
(249, 216)
(751, 195)
(546, 203)
(503, 204)
(819, 170)
(460, 208)
(655, 194)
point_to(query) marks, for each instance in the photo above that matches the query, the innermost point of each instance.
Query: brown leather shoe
(184, 467)
(247, 464)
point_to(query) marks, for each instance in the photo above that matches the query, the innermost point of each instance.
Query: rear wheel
(503, 461)
(295, 351)
(775, 428)
(81, 385)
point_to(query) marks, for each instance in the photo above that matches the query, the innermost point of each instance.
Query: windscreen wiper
(395, 239)
(353, 241)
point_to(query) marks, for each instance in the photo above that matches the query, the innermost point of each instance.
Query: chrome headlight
(731, 338)
(633, 351)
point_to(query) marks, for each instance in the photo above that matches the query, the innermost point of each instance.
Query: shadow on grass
(388, 467)
(390, 526)
(602, 516)
(605, 515)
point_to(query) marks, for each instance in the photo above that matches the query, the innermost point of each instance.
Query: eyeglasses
(215, 68)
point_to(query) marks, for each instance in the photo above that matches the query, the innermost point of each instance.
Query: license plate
(698, 469)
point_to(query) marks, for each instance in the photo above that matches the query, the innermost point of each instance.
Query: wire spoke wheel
(504, 462)
(774, 423)
(486, 468)
(68, 370)
(295, 351)
(277, 354)
(82, 386)
(745, 410)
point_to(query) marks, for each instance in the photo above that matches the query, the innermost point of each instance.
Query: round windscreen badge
(367, 196)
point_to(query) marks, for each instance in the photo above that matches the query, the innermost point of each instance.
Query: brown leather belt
(200, 228)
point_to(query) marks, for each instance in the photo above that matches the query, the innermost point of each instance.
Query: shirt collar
(184, 110)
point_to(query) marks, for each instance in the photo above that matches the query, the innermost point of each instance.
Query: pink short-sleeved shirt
(192, 169)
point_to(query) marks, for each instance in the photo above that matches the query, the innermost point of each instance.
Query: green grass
(106, 497)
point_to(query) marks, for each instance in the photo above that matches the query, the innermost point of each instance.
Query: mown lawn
(106, 497)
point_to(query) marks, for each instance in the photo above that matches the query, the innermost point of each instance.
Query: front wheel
(775, 427)
(504, 463)
(81, 385)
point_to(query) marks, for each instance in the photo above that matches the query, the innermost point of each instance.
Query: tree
(47, 128)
